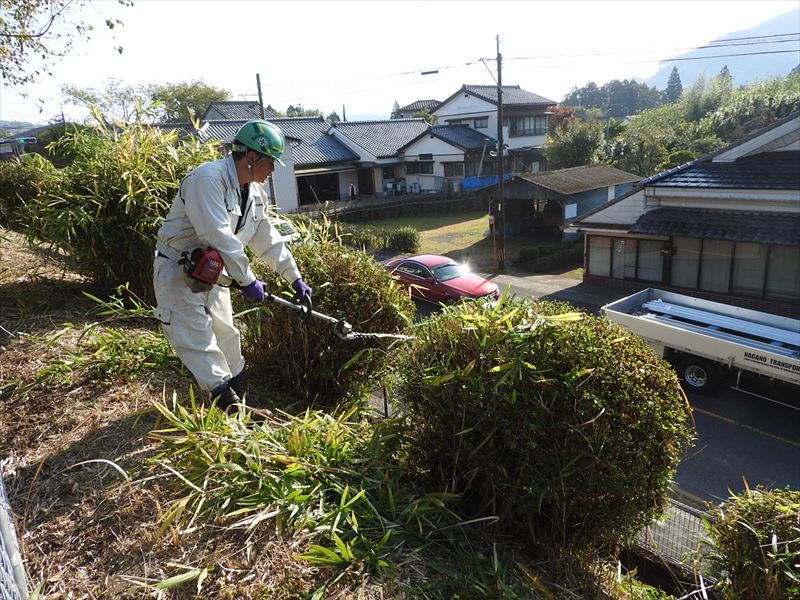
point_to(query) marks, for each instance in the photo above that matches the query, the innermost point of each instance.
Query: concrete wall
(284, 186)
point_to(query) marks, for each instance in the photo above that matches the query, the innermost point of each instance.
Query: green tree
(573, 144)
(333, 117)
(298, 111)
(116, 102)
(674, 88)
(42, 30)
(649, 139)
(186, 100)
(752, 107)
(396, 114)
(425, 114)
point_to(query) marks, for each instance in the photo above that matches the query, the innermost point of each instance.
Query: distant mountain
(15, 126)
(744, 69)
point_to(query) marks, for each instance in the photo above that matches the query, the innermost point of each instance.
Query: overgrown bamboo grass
(106, 209)
(562, 424)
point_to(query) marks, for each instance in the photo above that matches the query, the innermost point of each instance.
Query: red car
(440, 279)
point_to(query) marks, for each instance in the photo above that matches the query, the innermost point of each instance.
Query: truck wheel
(698, 375)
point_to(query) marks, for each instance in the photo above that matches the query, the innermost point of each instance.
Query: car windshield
(449, 271)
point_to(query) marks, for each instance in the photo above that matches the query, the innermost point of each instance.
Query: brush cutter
(205, 267)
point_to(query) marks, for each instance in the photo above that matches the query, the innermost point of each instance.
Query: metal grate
(677, 537)
(13, 585)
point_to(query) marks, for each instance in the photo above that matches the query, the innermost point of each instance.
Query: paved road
(739, 436)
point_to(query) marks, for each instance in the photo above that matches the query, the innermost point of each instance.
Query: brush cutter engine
(202, 268)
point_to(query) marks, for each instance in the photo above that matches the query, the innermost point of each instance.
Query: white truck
(709, 343)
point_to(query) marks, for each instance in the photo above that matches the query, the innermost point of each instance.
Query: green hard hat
(261, 136)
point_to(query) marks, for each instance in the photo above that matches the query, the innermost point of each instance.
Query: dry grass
(85, 530)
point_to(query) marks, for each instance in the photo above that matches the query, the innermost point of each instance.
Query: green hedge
(755, 538)
(309, 361)
(546, 258)
(566, 427)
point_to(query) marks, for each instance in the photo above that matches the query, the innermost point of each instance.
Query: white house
(525, 119)
(725, 227)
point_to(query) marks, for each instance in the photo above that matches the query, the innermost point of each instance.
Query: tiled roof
(308, 135)
(382, 139)
(734, 226)
(750, 174)
(512, 94)
(234, 109)
(463, 137)
(419, 105)
(579, 179)
(316, 147)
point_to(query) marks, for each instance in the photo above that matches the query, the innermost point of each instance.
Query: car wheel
(450, 301)
(698, 375)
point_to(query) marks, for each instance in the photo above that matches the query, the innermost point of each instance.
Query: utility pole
(501, 203)
(260, 100)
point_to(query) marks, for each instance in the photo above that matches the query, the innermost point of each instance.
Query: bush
(111, 198)
(309, 360)
(755, 538)
(564, 426)
(22, 181)
(404, 239)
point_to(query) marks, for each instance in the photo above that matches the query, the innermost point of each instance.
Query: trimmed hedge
(309, 361)
(566, 427)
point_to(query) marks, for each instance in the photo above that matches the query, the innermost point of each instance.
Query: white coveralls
(208, 212)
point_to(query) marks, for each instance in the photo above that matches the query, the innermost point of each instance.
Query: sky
(364, 55)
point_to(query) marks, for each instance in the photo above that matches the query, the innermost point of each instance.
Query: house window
(623, 260)
(685, 262)
(388, 172)
(749, 269)
(520, 126)
(454, 121)
(599, 255)
(426, 156)
(783, 276)
(716, 271)
(481, 123)
(649, 260)
(453, 169)
(419, 168)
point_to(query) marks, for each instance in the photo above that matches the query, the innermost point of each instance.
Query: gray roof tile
(420, 105)
(750, 174)
(308, 135)
(234, 109)
(512, 94)
(463, 137)
(382, 139)
(734, 226)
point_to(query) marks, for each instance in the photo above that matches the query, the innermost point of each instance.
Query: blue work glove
(301, 290)
(254, 291)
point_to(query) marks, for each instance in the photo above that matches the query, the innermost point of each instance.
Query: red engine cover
(207, 265)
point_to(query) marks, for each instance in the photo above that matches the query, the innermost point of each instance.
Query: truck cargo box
(735, 337)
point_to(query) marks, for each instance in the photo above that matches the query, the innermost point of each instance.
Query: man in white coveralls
(221, 205)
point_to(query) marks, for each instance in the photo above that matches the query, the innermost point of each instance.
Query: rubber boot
(239, 384)
(225, 396)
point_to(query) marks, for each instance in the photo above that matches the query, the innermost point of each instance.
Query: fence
(678, 538)
(13, 584)
(396, 206)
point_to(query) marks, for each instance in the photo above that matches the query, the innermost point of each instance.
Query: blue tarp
(477, 183)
